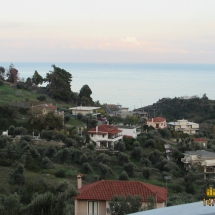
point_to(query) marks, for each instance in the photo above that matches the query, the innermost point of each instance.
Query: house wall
(84, 112)
(129, 132)
(98, 137)
(81, 207)
(160, 124)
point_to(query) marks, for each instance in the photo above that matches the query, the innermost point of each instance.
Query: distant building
(140, 114)
(184, 126)
(202, 158)
(43, 109)
(158, 122)
(84, 110)
(201, 141)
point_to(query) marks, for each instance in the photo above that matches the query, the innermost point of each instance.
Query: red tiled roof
(200, 140)
(105, 128)
(106, 189)
(157, 119)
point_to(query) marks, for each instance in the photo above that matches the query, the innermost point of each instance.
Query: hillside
(34, 172)
(195, 109)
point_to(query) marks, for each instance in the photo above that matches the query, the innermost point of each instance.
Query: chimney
(96, 129)
(50, 104)
(79, 180)
(152, 119)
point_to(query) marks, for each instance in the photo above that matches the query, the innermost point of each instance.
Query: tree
(121, 205)
(85, 91)
(17, 176)
(59, 84)
(37, 78)
(12, 74)
(129, 168)
(124, 176)
(2, 73)
(146, 172)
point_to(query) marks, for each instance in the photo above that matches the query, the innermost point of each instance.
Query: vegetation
(39, 176)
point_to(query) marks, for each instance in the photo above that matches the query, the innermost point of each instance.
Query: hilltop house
(202, 158)
(93, 198)
(105, 135)
(158, 122)
(84, 110)
(184, 126)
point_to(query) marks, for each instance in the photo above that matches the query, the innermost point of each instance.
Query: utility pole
(167, 177)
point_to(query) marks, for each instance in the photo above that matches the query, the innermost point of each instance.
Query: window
(92, 208)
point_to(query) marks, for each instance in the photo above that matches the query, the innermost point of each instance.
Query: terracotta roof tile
(111, 129)
(200, 140)
(106, 189)
(157, 119)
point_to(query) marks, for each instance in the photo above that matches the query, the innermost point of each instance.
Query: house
(93, 198)
(129, 131)
(43, 109)
(140, 113)
(84, 110)
(158, 122)
(5, 133)
(202, 158)
(184, 126)
(105, 135)
(201, 141)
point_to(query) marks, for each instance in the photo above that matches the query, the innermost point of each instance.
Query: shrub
(1, 83)
(41, 98)
(124, 176)
(146, 172)
(123, 158)
(129, 168)
(60, 173)
(137, 152)
(105, 170)
(86, 168)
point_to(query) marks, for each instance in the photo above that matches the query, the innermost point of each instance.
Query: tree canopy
(37, 78)
(59, 84)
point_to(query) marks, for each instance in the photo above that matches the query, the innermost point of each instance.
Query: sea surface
(132, 85)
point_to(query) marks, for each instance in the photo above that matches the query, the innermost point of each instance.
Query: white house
(184, 126)
(129, 131)
(202, 158)
(105, 135)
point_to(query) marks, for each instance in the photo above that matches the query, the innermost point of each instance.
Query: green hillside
(195, 109)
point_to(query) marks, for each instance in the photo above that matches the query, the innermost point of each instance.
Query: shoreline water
(132, 85)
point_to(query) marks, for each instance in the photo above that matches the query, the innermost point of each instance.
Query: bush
(123, 158)
(41, 98)
(129, 168)
(137, 152)
(1, 83)
(146, 172)
(105, 170)
(60, 173)
(86, 168)
(124, 176)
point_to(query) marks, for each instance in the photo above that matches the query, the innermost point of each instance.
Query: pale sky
(145, 31)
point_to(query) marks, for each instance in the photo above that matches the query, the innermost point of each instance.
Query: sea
(132, 85)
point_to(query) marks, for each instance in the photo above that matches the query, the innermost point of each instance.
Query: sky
(131, 31)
